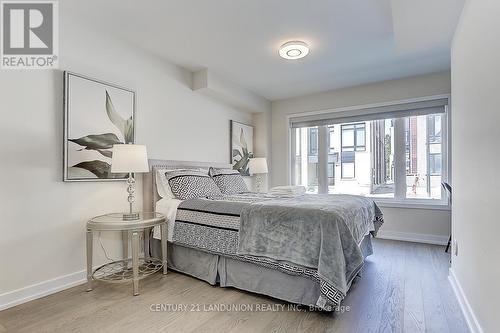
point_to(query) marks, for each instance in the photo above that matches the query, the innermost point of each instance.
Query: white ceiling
(352, 41)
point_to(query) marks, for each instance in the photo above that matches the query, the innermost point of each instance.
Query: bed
(286, 248)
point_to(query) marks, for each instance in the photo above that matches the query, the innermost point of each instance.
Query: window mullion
(293, 156)
(323, 159)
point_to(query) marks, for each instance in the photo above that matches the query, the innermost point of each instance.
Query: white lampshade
(257, 165)
(129, 158)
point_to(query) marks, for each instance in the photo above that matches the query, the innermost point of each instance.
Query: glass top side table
(132, 269)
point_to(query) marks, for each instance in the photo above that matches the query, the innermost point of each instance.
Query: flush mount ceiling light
(294, 50)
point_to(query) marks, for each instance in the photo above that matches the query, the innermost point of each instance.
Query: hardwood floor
(404, 288)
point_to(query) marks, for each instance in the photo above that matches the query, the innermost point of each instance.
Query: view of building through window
(423, 156)
(361, 157)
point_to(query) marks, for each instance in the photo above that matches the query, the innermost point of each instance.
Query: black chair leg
(448, 246)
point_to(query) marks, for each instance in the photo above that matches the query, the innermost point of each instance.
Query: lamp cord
(103, 249)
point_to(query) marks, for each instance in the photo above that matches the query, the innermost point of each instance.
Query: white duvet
(167, 207)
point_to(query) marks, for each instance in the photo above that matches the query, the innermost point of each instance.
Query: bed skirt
(230, 272)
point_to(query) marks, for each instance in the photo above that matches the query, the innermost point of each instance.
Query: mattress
(206, 226)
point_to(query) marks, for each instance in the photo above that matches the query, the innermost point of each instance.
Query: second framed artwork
(241, 136)
(97, 115)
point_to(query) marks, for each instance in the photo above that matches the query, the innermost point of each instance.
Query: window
(331, 174)
(434, 125)
(306, 164)
(313, 141)
(435, 164)
(424, 160)
(331, 139)
(348, 164)
(434, 141)
(298, 158)
(353, 137)
(396, 156)
(298, 148)
(410, 128)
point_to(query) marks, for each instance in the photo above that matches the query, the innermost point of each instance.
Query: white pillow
(162, 186)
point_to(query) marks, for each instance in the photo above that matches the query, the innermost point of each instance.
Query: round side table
(127, 269)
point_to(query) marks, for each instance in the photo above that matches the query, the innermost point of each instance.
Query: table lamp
(258, 166)
(130, 158)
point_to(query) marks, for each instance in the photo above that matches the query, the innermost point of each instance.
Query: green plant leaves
(79, 173)
(106, 153)
(242, 164)
(129, 131)
(243, 142)
(100, 169)
(97, 141)
(125, 126)
(236, 153)
(114, 116)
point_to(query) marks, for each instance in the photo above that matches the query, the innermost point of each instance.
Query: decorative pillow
(162, 186)
(189, 184)
(229, 181)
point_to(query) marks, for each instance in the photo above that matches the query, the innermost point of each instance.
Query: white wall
(475, 123)
(400, 223)
(43, 219)
(262, 142)
(231, 93)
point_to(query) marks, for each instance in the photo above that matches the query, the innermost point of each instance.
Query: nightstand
(132, 269)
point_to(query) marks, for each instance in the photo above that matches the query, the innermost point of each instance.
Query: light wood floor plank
(435, 319)
(404, 288)
(414, 315)
(393, 311)
(365, 311)
(453, 314)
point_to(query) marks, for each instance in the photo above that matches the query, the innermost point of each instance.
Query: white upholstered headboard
(150, 194)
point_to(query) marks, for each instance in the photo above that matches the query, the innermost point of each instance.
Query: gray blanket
(321, 232)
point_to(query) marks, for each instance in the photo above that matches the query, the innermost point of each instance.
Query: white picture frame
(97, 114)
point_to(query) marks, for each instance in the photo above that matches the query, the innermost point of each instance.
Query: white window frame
(399, 200)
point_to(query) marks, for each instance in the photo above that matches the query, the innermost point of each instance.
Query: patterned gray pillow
(186, 184)
(229, 181)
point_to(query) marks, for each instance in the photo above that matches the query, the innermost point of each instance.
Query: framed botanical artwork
(97, 115)
(241, 146)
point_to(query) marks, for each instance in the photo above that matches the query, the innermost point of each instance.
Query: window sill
(414, 204)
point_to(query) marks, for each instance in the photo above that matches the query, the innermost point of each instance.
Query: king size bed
(305, 249)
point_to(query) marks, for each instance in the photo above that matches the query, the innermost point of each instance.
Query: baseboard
(413, 237)
(38, 290)
(469, 315)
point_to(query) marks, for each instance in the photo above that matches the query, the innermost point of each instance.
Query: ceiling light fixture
(293, 50)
